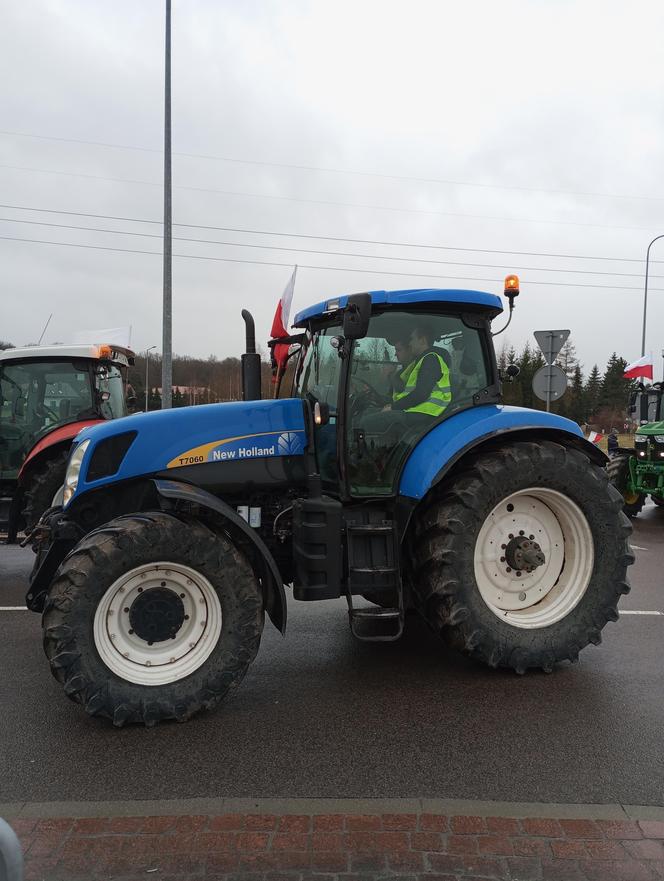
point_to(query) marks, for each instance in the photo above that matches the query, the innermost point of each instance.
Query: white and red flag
(595, 437)
(642, 367)
(280, 323)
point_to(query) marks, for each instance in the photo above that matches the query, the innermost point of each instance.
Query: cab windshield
(36, 396)
(408, 373)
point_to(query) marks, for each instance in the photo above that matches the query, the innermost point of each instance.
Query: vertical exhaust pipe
(251, 362)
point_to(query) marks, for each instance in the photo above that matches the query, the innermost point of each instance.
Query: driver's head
(400, 339)
(422, 339)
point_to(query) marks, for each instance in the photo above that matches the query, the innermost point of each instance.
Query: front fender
(267, 570)
(448, 441)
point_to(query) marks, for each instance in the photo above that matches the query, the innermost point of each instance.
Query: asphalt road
(320, 714)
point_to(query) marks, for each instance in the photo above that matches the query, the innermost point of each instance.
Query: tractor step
(376, 625)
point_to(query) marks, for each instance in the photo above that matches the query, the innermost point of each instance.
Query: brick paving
(339, 847)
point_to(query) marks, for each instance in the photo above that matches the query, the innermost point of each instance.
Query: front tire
(42, 488)
(618, 471)
(152, 618)
(543, 498)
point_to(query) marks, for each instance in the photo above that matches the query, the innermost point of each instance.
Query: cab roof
(118, 354)
(415, 296)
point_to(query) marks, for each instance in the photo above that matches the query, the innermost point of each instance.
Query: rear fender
(261, 559)
(465, 432)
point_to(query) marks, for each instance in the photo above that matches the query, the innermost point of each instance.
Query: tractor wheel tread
(442, 544)
(617, 471)
(126, 542)
(43, 484)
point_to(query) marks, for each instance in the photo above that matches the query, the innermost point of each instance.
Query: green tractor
(638, 473)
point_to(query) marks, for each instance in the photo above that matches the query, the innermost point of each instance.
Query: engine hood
(186, 436)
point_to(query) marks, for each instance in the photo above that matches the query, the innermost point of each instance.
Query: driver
(423, 386)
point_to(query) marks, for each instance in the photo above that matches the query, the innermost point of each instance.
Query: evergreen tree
(615, 388)
(575, 398)
(592, 392)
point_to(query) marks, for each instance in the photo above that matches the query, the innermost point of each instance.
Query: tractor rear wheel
(520, 559)
(150, 618)
(618, 471)
(42, 486)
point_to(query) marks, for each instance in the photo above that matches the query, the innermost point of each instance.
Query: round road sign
(551, 379)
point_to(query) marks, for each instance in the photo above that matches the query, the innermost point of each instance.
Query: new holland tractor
(47, 395)
(639, 472)
(390, 474)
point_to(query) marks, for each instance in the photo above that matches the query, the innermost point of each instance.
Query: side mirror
(511, 372)
(356, 316)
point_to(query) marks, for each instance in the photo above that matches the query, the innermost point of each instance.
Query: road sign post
(550, 382)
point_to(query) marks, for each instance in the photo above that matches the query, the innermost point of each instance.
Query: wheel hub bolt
(518, 575)
(522, 596)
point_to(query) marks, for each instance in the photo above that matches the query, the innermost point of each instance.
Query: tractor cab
(47, 393)
(381, 370)
(645, 405)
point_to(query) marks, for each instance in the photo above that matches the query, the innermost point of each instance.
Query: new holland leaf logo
(290, 443)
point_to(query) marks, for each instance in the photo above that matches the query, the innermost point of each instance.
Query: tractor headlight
(659, 438)
(73, 471)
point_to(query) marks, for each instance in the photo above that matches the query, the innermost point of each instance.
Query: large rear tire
(527, 500)
(42, 487)
(151, 618)
(618, 471)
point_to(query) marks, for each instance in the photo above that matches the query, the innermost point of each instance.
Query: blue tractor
(390, 474)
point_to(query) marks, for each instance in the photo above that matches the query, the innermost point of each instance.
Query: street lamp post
(147, 363)
(645, 295)
(167, 320)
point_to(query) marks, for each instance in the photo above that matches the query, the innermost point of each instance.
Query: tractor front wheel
(42, 487)
(150, 618)
(521, 558)
(618, 471)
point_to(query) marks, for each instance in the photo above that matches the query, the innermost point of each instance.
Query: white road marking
(13, 608)
(638, 548)
(633, 612)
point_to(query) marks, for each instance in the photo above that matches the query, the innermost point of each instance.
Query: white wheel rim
(549, 593)
(131, 657)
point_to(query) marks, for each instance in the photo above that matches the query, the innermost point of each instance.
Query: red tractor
(47, 395)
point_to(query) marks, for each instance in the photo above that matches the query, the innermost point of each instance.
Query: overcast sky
(504, 126)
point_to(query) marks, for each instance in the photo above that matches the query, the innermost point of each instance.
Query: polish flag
(280, 324)
(642, 367)
(595, 437)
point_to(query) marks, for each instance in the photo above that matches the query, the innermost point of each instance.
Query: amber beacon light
(511, 285)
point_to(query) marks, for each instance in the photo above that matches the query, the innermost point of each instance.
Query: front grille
(108, 455)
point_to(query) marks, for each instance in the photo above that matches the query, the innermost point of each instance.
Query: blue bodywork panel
(171, 439)
(449, 439)
(405, 298)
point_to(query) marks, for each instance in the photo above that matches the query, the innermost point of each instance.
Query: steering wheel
(43, 409)
(363, 395)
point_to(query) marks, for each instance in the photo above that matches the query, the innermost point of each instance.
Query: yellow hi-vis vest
(439, 397)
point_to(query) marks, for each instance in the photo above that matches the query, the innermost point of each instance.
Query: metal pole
(549, 361)
(645, 296)
(147, 363)
(167, 346)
